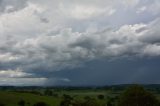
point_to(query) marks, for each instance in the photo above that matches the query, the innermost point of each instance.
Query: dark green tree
(21, 103)
(67, 100)
(40, 104)
(90, 102)
(1, 104)
(137, 96)
(110, 101)
(100, 96)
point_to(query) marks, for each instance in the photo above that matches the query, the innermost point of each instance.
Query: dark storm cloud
(121, 71)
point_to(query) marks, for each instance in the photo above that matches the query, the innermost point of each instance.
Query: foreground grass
(12, 99)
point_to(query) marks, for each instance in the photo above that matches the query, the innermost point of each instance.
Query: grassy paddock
(12, 97)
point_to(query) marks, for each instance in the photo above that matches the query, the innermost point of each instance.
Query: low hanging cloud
(37, 37)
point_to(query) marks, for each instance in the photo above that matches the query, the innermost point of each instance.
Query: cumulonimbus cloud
(36, 36)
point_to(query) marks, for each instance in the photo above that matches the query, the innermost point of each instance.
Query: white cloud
(141, 9)
(85, 12)
(21, 22)
(152, 50)
(7, 57)
(13, 73)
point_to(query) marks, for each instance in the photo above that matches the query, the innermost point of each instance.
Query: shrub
(21, 103)
(1, 104)
(100, 97)
(40, 104)
(137, 96)
(67, 100)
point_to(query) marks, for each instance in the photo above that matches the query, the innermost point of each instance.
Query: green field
(11, 97)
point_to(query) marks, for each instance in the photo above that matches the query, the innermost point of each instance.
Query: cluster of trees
(137, 96)
(133, 96)
(112, 101)
(23, 103)
(49, 92)
(1, 104)
(40, 104)
(69, 101)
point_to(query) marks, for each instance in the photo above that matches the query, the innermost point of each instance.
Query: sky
(79, 42)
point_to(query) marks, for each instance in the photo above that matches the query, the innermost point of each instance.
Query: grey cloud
(12, 5)
(152, 35)
(69, 49)
(40, 38)
(45, 20)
